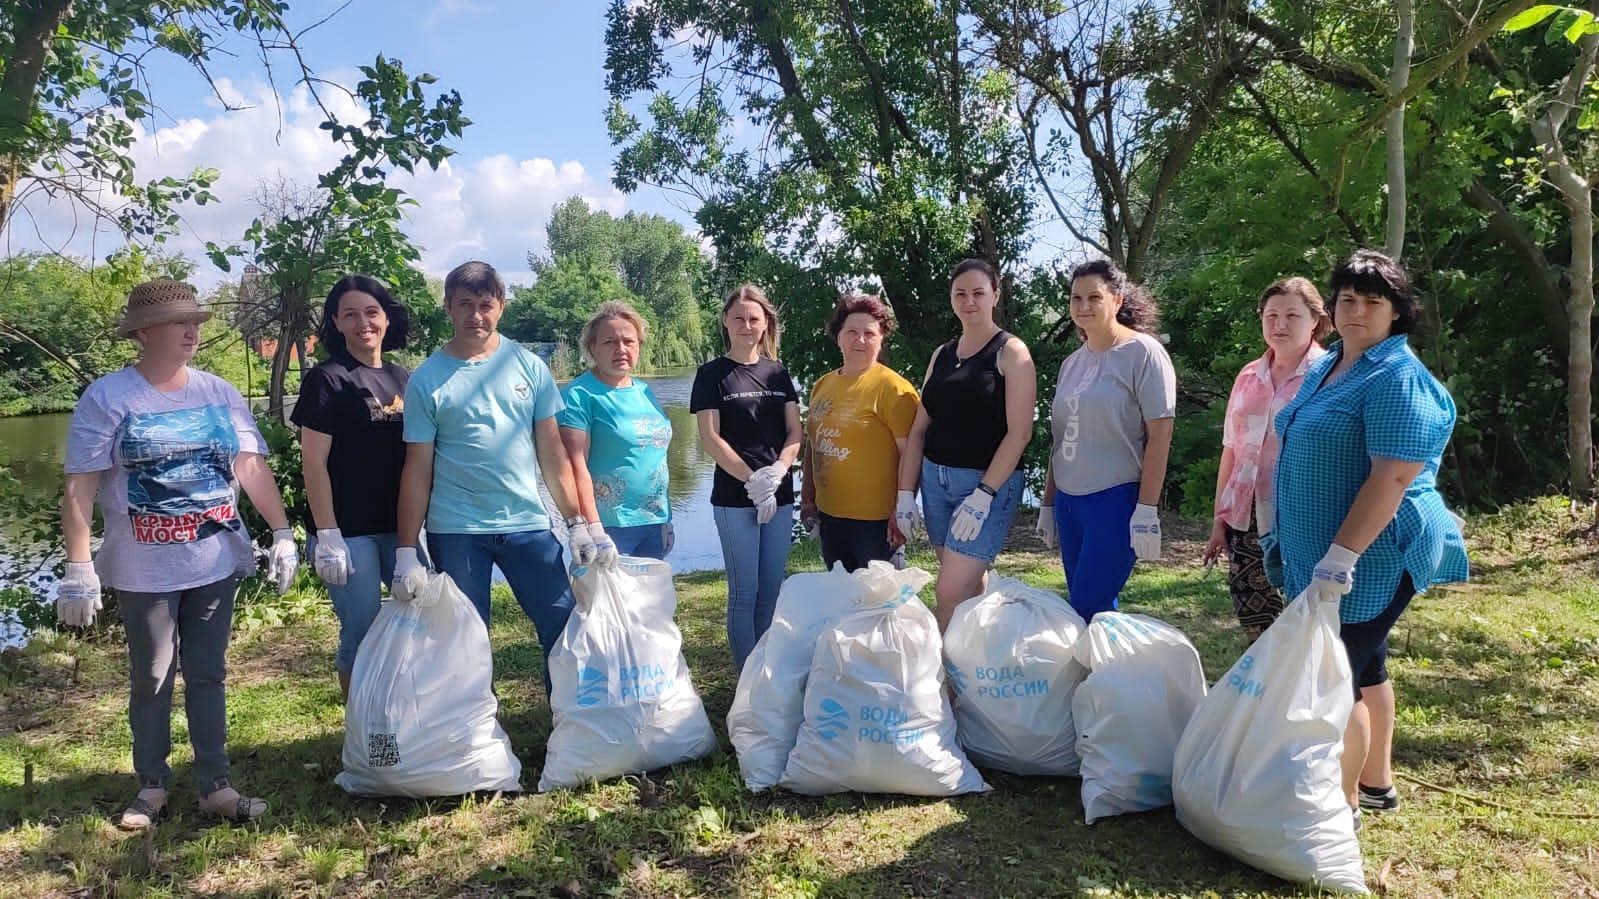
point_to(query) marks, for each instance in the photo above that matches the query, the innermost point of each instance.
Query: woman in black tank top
(973, 424)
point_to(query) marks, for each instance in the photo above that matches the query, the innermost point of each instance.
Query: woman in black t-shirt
(747, 409)
(975, 419)
(351, 412)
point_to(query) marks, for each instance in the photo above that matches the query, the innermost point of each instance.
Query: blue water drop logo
(590, 687)
(833, 721)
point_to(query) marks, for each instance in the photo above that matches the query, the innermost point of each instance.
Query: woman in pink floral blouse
(1293, 321)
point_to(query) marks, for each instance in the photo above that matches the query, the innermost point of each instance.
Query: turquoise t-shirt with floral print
(628, 436)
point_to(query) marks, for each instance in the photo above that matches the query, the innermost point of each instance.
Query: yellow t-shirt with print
(850, 435)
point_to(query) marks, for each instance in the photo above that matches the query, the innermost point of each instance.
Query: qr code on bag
(382, 750)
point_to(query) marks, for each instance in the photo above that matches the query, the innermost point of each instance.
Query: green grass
(1499, 695)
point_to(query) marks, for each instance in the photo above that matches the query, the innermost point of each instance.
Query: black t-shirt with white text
(752, 402)
(363, 410)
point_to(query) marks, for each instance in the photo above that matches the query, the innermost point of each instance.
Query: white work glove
(579, 541)
(410, 575)
(766, 509)
(605, 554)
(1045, 527)
(282, 559)
(668, 538)
(1334, 575)
(79, 598)
(1144, 532)
(907, 515)
(764, 482)
(969, 518)
(332, 558)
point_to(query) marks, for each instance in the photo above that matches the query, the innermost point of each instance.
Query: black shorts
(1366, 642)
(852, 541)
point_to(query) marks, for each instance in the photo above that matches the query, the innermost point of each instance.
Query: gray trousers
(185, 629)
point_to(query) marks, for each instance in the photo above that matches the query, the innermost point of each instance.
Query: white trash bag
(876, 716)
(1010, 655)
(621, 694)
(769, 704)
(1143, 685)
(1258, 771)
(420, 720)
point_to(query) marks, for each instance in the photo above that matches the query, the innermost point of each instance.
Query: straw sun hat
(159, 302)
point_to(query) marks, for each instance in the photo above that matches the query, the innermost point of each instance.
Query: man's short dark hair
(475, 277)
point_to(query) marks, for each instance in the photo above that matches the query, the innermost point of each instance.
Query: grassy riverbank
(1499, 693)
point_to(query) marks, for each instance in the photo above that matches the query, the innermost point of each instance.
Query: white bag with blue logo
(769, 704)
(1010, 655)
(420, 720)
(877, 719)
(1258, 770)
(1144, 682)
(619, 687)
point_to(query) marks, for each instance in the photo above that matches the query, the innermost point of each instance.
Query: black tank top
(965, 398)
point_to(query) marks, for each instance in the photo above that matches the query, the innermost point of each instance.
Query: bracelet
(576, 520)
(985, 488)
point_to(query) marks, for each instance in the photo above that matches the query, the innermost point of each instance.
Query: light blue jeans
(357, 600)
(755, 556)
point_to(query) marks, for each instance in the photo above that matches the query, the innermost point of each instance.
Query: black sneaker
(1379, 799)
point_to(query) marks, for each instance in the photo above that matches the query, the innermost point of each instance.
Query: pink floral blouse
(1248, 432)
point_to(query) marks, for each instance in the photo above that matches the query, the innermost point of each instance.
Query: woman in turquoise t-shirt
(616, 435)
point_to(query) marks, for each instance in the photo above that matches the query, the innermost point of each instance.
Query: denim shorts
(943, 491)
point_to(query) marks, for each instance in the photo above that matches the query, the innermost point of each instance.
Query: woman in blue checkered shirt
(1357, 488)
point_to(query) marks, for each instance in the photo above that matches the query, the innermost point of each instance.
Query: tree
(645, 260)
(74, 76)
(1573, 176)
(829, 145)
(352, 221)
(1121, 89)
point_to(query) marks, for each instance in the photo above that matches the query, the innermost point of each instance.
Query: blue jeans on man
(532, 564)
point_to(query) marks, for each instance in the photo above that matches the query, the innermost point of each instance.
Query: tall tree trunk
(1398, 80)
(36, 24)
(1579, 364)
(1576, 193)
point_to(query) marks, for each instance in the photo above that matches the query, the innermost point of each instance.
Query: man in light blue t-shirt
(480, 427)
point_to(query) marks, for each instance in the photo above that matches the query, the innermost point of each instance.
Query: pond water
(34, 446)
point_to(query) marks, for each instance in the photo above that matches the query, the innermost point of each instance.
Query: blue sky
(531, 76)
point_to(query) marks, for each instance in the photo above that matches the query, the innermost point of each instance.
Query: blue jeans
(357, 600)
(645, 540)
(945, 488)
(755, 556)
(1096, 549)
(532, 564)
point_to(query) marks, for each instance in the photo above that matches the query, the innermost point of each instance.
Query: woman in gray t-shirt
(164, 448)
(1111, 419)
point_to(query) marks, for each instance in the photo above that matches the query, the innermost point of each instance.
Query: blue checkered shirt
(1387, 406)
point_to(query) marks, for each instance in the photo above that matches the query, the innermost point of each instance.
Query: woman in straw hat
(162, 446)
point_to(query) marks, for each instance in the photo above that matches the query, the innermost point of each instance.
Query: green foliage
(75, 81)
(354, 220)
(645, 260)
(862, 146)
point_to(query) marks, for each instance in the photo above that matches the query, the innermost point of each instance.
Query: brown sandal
(141, 814)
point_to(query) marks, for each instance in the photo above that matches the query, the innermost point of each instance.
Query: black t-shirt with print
(363, 410)
(752, 402)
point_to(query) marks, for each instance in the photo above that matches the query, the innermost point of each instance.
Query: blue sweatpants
(1096, 549)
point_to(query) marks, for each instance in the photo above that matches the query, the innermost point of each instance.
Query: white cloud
(493, 208)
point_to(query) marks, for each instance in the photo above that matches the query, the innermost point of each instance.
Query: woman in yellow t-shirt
(859, 418)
